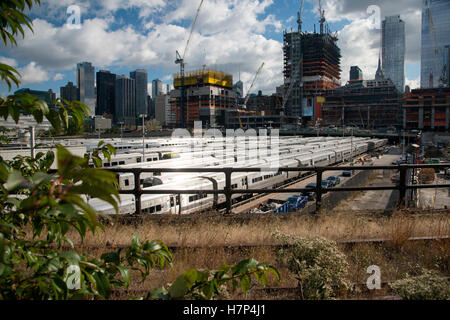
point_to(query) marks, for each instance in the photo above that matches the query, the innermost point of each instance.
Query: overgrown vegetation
(320, 268)
(429, 286)
(40, 208)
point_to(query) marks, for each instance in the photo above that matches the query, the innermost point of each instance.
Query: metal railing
(319, 190)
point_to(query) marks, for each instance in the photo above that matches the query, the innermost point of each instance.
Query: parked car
(310, 196)
(396, 179)
(334, 180)
(297, 202)
(347, 173)
(326, 184)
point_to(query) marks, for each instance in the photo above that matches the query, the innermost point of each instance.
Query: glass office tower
(435, 40)
(393, 50)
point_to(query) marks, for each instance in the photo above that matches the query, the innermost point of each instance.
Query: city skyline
(238, 47)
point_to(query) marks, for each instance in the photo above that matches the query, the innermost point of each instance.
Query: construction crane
(442, 79)
(247, 97)
(286, 96)
(322, 16)
(244, 106)
(180, 60)
(300, 14)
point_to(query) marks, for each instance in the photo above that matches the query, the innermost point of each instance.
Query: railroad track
(294, 291)
(245, 247)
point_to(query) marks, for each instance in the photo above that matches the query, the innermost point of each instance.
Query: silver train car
(187, 204)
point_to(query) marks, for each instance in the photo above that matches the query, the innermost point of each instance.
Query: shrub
(428, 286)
(427, 175)
(321, 269)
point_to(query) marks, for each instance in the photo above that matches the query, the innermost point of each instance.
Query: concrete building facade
(163, 111)
(69, 92)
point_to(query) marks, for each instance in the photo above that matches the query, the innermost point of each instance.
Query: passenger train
(303, 156)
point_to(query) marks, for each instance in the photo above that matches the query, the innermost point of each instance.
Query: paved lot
(360, 204)
(376, 200)
(435, 198)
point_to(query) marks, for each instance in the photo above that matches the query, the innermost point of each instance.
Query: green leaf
(158, 294)
(244, 266)
(102, 285)
(15, 179)
(125, 273)
(183, 284)
(71, 257)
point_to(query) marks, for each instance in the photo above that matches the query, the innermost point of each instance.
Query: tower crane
(322, 16)
(247, 97)
(286, 96)
(180, 60)
(300, 14)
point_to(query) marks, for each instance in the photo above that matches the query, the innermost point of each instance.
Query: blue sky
(232, 35)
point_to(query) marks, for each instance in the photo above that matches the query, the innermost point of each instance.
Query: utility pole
(351, 154)
(121, 130)
(32, 141)
(143, 137)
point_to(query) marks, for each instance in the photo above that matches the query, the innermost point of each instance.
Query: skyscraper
(311, 67)
(125, 107)
(106, 82)
(239, 88)
(157, 90)
(435, 37)
(86, 85)
(69, 92)
(141, 81)
(356, 73)
(393, 50)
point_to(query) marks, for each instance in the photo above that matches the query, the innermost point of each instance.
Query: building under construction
(208, 94)
(427, 109)
(311, 67)
(364, 104)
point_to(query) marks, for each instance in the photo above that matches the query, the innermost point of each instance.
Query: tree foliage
(39, 206)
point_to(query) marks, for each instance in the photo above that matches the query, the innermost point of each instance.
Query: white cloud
(9, 61)
(33, 73)
(229, 37)
(58, 76)
(413, 83)
(360, 46)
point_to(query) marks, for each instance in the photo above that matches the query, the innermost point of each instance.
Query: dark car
(334, 181)
(311, 196)
(347, 173)
(326, 184)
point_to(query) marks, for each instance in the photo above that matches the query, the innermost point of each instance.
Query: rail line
(245, 247)
(293, 290)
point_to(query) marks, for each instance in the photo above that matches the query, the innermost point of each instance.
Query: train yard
(290, 153)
